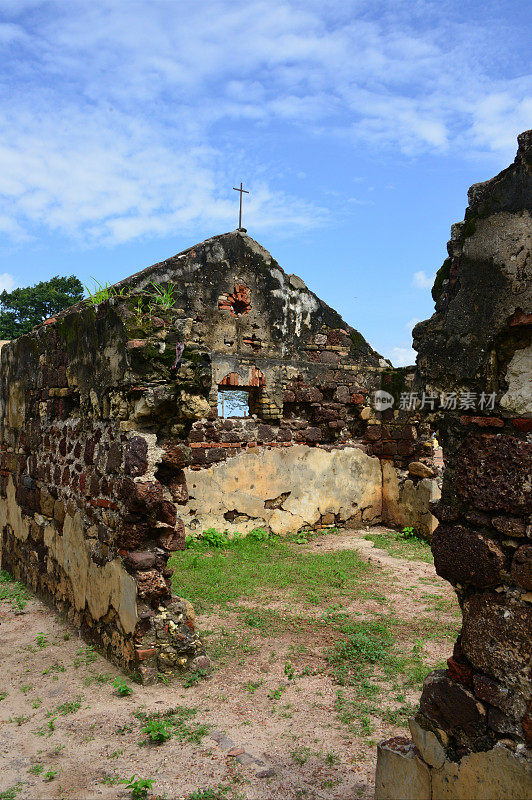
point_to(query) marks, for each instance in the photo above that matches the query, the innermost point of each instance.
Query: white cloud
(7, 282)
(114, 117)
(498, 115)
(420, 280)
(402, 356)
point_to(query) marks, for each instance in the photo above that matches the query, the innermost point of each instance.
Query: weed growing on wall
(163, 297)
(101, 292)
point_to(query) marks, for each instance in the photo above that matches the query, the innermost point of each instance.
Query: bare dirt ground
(64, 732)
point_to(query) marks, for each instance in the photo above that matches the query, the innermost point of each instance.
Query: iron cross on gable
(242, 191)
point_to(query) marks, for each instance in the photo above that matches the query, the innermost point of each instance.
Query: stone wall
(112, 448)
(243, 323)
(83, 520)
(473, 734)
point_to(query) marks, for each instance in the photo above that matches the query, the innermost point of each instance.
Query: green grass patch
(399, 716)
(359, 714)
(246, 568)
(439, 603)
(13, 592)
(434, 626)
(85, 656)
(398, 545)
(362, 645)
(224, 645)
(11, 793)
(69, 707)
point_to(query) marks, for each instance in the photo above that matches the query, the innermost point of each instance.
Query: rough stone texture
(479, 341)
(462, 555)
(522, 566)
(517, 399)
(493, 473)
(497, 637)
(495, 774)
(421, 470)
(454, 709)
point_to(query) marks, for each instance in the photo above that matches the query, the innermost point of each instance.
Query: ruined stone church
(115, 445)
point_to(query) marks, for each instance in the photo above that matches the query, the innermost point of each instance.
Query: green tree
(23, 308)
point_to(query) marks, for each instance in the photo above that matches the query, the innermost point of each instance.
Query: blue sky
(356, 126)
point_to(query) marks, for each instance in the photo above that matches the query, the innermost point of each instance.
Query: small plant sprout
(259, 534)
(50, 774)
(138, 309)
(139, 787)
(13, 591)
(122, 688)
(42, 640)
(192, 678)
(252, 686)
(301, 755)
(213, 538)
(289, 670)
(11, 793)
(275, 694)
(158, 730)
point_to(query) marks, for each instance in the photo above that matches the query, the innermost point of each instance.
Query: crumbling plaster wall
(286, 489)
(472, 737)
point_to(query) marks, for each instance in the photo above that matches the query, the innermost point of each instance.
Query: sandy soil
(258, 747)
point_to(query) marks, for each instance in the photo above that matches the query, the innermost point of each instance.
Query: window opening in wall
(233, 403)
(237, 303)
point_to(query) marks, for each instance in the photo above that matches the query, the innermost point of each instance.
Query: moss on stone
(394, 380)
(441, 276)
(469, 227)
(195, 356)
(69, 327)
(357, 339)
